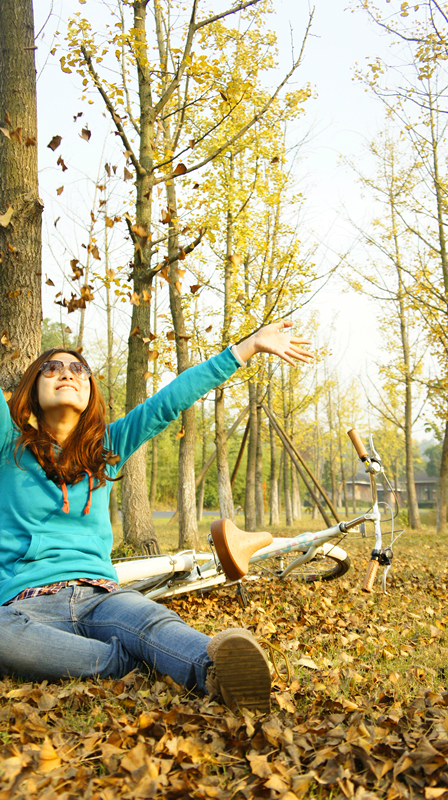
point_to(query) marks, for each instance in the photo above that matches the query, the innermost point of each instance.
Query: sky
(340, 121)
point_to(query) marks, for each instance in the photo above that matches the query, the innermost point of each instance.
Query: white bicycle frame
(189, 571)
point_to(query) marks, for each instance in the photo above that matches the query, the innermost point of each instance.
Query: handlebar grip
(369, 580)
(357, 443)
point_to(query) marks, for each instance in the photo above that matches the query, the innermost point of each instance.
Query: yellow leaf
(5, 218)
(48, 757)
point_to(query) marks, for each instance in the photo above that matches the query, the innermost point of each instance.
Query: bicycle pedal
(242, 595)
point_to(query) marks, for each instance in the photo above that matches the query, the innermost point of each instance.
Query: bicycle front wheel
(329, 562)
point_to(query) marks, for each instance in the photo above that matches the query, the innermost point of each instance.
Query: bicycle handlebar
(369, 580)
(372, 568)
(357, 443)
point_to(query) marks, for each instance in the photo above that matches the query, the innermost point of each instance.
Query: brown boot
(240, 670)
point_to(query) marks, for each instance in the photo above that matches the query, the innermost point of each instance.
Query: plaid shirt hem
(52, 588)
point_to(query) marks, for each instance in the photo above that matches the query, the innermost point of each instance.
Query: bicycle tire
(329, 563)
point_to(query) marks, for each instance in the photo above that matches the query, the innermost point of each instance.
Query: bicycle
(233, 552)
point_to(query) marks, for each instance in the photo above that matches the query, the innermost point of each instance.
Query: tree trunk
(20, 238)
(137, 518)
(259, 493)
(274, 509)
(441, 485)
(186, 492)
(295, 494)
(286, 487)
(224, 488)
(201, 487)
(226, 508)
(249, 502)
(279, 482)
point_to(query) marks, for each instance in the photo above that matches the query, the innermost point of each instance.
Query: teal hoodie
(44, 540)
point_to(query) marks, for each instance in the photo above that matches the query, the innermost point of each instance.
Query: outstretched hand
(274, 339)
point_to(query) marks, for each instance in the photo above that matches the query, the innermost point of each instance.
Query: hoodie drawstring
(66, 507)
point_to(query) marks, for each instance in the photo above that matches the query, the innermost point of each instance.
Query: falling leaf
(170, 335)
(235, 259)
(87, 293)
(207, 330)
(31, 141)
(107, 168)
(180, 169)
(140, 230)
(166, 216)
(112, 458)
(5, 340)
(60, 162)
(85, 134)
(92, 248)
(49, 282)
(14, 293)
(67, 329)
(109, 222)
(5, 218)
(275, 160)
(60, 190)
(224, 97)
(178, 286)
(127, 175)
(135, 300)
(127, 154)
(192, 143)
(196, 186)
(16, 134)
(195, 288)
(55, 142)
(146, 296)
(79, 114)
(152, 355)
(180, 433)
(6, 132)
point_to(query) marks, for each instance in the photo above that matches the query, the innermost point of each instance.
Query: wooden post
(300, 465)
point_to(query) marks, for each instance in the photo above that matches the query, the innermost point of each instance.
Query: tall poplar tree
(20, 206)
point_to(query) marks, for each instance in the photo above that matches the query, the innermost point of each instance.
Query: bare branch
(115, 117)
(227, 13)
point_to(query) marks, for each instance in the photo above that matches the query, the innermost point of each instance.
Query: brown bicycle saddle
(235, 547)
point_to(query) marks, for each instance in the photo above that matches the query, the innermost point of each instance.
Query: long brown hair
(84, 447)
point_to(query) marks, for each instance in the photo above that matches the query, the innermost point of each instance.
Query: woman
(62, 613)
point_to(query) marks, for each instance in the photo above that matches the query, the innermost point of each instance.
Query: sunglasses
(52, 369)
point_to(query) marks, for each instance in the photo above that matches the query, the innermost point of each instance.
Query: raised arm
(275, 339)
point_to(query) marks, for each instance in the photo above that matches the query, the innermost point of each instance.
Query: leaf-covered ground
(365, 713)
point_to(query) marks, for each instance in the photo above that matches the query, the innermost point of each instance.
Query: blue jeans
(84, 631)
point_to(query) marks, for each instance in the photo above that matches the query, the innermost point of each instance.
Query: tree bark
(20, 238)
